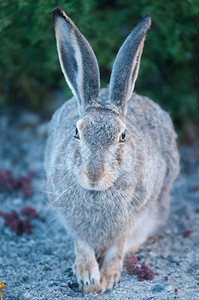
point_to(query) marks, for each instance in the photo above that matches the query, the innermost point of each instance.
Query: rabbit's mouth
(95, 187)
(96, 184)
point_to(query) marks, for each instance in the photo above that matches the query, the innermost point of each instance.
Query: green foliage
(169, 68)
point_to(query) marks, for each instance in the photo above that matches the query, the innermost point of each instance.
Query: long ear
(126, 65)
(77, 59)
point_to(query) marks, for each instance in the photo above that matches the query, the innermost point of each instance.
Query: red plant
(143, 272)
(13, 221)
(10, 183)
(131, 263)
(18, 225)
(29, 211)
(166, 278)
(187, 233)
(25, 182)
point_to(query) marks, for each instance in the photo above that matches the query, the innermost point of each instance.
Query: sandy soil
(38, 266)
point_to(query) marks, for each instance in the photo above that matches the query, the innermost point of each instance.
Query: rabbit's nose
(95, 169)
(94, 174)
(93, 177)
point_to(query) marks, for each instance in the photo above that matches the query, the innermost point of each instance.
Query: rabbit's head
(100, 148)
(103, 146)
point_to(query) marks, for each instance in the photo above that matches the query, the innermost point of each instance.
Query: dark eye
(76, 133)
(123, 136)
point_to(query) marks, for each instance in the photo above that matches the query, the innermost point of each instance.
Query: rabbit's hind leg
(142, 229)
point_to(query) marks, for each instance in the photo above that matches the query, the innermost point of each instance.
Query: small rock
(53, 283)
(47, 268)
(174, 259)
(25, 278)
(17, 201)
(158, 288)
(168, 288)
(63, 284)
(27, 296)
(73, 286)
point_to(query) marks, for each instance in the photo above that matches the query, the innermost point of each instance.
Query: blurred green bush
(170, 62)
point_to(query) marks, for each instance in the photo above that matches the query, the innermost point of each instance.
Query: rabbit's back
(157, 131)
(155, 126)
(153, 122)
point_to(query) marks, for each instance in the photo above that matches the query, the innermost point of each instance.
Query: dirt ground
(38, 265)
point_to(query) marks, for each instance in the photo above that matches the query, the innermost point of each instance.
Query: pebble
(53, 283)
(73, 286)
(27, 296)
(158, 288)
(168, 288)
(174, 259)
(17, 201)
(63, 284)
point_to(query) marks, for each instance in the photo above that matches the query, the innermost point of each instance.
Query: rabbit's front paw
(88, 276)
(109, 274)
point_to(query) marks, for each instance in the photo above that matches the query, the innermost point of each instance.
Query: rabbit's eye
(123, 136)
(76, 133)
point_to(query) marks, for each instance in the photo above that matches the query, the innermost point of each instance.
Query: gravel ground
(38, 266)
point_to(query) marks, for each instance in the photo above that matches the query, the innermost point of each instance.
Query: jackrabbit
(111, 157)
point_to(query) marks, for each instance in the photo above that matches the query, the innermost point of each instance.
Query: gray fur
(145, 177)
(70, 43)
(126, 65)
(104, 189)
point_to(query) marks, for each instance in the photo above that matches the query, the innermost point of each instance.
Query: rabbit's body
(106, 215)
(111, 157)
